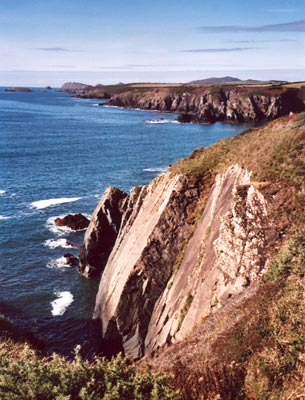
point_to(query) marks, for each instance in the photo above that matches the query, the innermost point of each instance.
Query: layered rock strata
(102, 232)
(215, 103)
(167, 271)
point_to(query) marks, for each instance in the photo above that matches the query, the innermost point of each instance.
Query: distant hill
(224, 79)
(73, 87)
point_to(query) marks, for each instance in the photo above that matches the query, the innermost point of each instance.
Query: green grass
(276, 151)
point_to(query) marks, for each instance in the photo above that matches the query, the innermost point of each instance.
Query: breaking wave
(63, 301)
(58, 263)
(55, 243)
(40, 204)
(161, 121)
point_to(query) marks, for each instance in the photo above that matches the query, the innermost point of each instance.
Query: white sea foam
(63, 301)
(57, 230)
(55, 243)
(161, 121)
(58, 263)
(40, 204)
(95, 104)
(2, 192)
(3, 217)
(160, 170)
(120, 108)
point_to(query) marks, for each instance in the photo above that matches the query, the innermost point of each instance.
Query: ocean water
(57, 156)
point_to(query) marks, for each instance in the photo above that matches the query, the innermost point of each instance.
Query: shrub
(26, 375)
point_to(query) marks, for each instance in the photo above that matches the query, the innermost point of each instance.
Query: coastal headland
(203, 102)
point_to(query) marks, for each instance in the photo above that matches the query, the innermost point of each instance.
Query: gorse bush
(24, 375)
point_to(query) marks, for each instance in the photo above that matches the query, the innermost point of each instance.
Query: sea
(58, 154)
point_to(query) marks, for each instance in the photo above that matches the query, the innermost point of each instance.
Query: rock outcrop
(102, 232)
(18, 89)
(73, 221)
(164, 273)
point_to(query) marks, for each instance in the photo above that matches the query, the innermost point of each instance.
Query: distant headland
(203, 101)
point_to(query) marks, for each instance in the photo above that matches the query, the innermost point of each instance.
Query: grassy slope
(254, 348)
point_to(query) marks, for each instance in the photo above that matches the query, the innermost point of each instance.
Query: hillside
(204, 275)
(224, 79)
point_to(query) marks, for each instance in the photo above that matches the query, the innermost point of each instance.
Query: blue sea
(57, 156)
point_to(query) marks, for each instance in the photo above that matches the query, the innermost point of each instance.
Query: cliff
(205, 101)
(238, 103)
(196, 239)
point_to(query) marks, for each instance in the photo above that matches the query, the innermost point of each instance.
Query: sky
(49, 42)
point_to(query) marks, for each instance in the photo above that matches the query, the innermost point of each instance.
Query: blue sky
(46, 42)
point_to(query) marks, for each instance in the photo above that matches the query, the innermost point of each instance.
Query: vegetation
(186, 306)
(270, 152)
(26, 375)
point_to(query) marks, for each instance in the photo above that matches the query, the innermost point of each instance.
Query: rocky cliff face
(215, 103)
(102, 232)
(195, 239)
(166, 272)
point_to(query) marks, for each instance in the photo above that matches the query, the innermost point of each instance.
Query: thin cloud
(295, 26)
(109, 67)
(261, 41)
(63, 66)
(139, 65)
(56, 49)
(219, 50)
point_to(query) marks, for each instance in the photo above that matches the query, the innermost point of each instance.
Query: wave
(55, 243)
(63, 301)
(95, 105)
(120, 108)
(40, 204)
(3, 217)
(58, 263)
(2, 192)
(160, 170)
(161, 121)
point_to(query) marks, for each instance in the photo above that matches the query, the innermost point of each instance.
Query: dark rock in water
(18, 89)
(185, 118)
(71, 260)
(75, 222)
(48, 87)
(102, 232)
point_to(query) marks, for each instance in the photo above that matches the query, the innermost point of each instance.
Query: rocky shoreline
(201, 103)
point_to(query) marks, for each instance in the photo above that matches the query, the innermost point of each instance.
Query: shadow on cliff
(55, 334)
